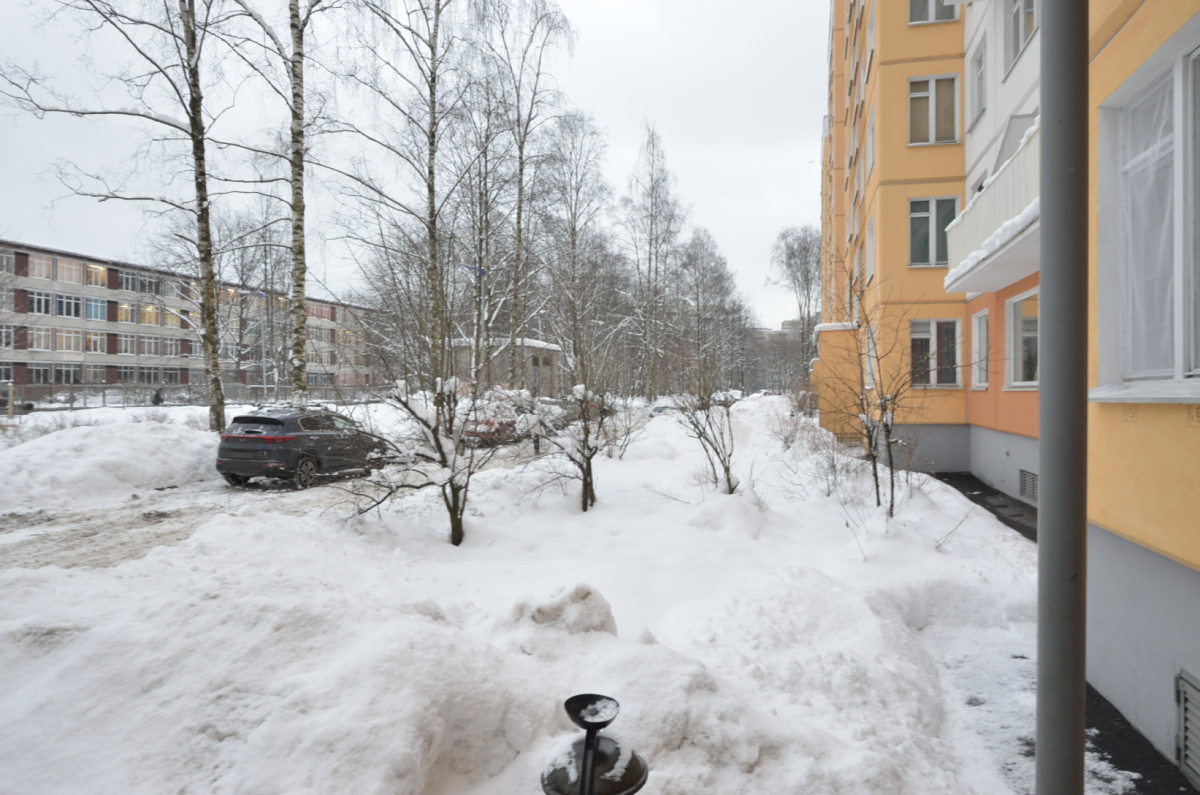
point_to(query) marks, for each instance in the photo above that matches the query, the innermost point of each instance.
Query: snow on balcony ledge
(844, 326)
(969, 275)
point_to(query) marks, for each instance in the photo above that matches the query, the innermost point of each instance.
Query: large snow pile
(94, 464)
(784, 639)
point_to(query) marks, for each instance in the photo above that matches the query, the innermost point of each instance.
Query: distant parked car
(661, 409)
(294, 444)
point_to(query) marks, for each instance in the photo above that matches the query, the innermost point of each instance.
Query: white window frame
(980, 349)
(39, 338)
(869, 245)
(69, 340)
(932, 94)
(871, 141)
(1012, 342)
(978, 82)
(1011, 33)
(933, 231)
(931, 11)
(932, 336)
(869, 369)
(1178, 60)
(7, 336)
(46, 299)
(96, 302)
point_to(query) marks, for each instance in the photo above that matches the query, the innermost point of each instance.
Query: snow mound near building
(91, 465)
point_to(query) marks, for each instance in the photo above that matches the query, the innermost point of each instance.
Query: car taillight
(268, 439)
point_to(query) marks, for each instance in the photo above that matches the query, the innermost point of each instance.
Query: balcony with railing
(995, 240)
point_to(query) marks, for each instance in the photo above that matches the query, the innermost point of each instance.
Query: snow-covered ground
(199, 639)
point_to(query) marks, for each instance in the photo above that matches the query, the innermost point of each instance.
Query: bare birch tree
(281, 66)
(171, 64)
(523, 34)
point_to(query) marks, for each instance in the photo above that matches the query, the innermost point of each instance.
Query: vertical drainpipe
(1062, 404)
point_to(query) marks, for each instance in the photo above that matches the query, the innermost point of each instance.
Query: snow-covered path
(778, 640)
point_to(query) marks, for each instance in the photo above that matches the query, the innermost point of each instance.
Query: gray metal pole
(1062, 426)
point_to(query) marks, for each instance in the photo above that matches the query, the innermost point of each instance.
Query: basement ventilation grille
(1029, 486)
(1187, 748)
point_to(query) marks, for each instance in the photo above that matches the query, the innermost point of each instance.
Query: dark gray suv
(294, 444)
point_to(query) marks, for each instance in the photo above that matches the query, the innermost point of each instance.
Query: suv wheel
(235, 480)
(305, 474)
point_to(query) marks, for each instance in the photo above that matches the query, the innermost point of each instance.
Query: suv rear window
(254, 426)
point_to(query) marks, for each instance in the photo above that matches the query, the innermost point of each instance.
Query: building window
(148, 284)
(979, 350)
(126, 375)
(871, 141)
(6, 372)
(68, 374)
(869, 370)
(170, 375)
(127, 344)
(150, 315)
(68, 339)
(147, 375)
(934, 352)
(171, 318)
(39, 338)
(41, 267)
(150, 346)
(6, 299)
(170, 346)
(95, 341)
(127, 281)
(94, 374)
(1023, 339)
(322, 311)
(7, 262)
(6, 336)
(927, 222)
(930, 11)
(68, 306)
(97, 276)
(869, 245)
(39, 374)
(933, 110)
(97, 309)
(70, 271)
(41, 303)
(979, 82)
(1022, 22)
(125, 313)
(1148, 170)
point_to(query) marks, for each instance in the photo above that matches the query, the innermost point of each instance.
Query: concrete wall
(997, 458)
(1143, 629)
(933, 448)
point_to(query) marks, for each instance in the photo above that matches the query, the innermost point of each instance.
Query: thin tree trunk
(299, 263)
(211, 340)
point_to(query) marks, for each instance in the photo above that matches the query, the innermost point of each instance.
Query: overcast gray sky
(736, 91)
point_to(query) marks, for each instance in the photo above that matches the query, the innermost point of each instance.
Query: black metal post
(589, 762)
(1062, 425)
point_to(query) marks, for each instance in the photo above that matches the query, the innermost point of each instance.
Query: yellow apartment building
(1144, 369)
(892, 182)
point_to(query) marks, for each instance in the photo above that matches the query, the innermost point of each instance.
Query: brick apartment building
(71, 323)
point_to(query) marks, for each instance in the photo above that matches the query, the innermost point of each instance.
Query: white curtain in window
(1148, 152)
